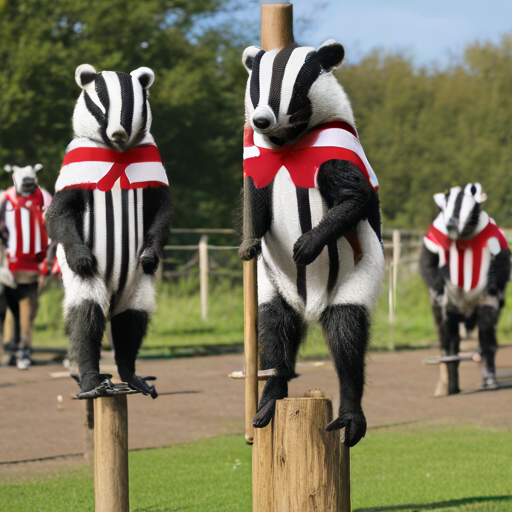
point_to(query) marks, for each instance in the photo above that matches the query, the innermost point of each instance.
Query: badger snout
(453, 229)
(119, 137)
(263, 120)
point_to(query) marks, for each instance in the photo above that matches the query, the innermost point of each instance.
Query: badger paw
(149, 260)
(354, 425)
(81, 261)
(249, 249)
(140, 384)
(307, 248)
(275, 388)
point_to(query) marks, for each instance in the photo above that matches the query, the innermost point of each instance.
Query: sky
(430, 32)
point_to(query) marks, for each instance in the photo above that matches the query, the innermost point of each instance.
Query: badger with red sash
(110, 217)
(465, 262)
(24, 235)
(311, 217)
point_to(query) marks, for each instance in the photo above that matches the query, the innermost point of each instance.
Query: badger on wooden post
(465, 263)
(110, 216)
(312, 218)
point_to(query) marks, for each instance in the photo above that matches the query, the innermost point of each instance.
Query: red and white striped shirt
(468, 260)
(28, 240)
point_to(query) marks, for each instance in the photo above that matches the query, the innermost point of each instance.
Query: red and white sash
(331, 141)
(28, 240)
(90, 165)
(467, 260)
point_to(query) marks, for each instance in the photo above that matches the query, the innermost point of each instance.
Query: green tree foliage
(423, 130)
(197, 98)
(428, 130)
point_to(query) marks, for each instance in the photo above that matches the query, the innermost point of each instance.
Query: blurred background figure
(465, 263)
(25, 244)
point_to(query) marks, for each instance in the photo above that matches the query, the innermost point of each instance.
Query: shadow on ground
(437, 505)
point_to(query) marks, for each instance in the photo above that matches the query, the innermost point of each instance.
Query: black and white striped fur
(306, 270)
(109, 242)
(462, 216)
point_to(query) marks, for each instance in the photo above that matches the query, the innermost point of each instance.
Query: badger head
(292, 90)
(24, 178)
(461, 209)
(113, 108)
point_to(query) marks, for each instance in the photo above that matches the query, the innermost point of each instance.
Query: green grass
(178, 320)
(443, 468)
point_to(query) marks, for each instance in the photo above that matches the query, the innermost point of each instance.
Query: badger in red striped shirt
(312, 218)
(465, 263)
(110, 216)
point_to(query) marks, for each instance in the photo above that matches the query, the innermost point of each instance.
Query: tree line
(423, 130)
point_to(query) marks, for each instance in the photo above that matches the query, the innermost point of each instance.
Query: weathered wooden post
(203, 274)
(397, 247)
(297, 465)
(111, 454)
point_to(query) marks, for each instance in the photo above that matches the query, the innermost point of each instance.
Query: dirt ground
(198, 400)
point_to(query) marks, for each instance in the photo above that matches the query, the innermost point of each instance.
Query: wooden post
(396, 261)
(89, 431)
(391, 344)
(276, 25)
(111, 454)
(203, 274)
(250, 345)
(297, 465)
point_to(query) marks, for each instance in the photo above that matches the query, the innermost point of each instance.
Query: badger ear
(38, 167)
(330, 54)
(8, 168)
(84, 75)
(440, 200)
(145, 76)
(249, 55)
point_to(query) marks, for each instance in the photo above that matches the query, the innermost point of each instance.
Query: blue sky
(428, 31)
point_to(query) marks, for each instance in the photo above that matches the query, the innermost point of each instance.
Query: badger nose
(263, 119)
(453, 230)
(119, 136)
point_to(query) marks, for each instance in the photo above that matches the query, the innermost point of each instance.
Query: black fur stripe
(102, 92)
(136, 220)
(94, 110)
(255, 79)
(90, 240)
(334, 265)
(109, 211)
(125, 241)
(126, 101)
(278, 69)
(144, 111)
(458, 206)
(305, 226)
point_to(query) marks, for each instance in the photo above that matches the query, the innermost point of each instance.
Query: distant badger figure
(110, 216)
(312, 218)
(465, 263)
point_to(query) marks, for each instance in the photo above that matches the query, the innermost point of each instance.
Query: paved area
(198, 400)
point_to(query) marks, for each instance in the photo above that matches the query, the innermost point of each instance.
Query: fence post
(203, 274)
(396, 261)
(391, 344)
(89, 430)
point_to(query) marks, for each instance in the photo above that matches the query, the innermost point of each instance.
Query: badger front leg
(257, 216)
(281, 330)
(158, 214)
(450, 342)
(350, 198)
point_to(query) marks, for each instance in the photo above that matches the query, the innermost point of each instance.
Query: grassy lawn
(178, 320)
(443, 468)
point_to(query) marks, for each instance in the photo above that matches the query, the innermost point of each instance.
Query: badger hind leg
(487, 321)
(85, 323)
(450, 342)
(281, 330)
(346, 329)
(128, 331)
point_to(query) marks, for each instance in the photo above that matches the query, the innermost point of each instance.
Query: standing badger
(110, 216)
(22, 229)
(311, 216)
(465, 263)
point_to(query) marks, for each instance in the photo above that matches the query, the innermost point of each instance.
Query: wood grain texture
(276, 26)
(297, 465)
(111, 454)
(250, 346)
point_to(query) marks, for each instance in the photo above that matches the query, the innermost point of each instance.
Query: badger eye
(473, 189)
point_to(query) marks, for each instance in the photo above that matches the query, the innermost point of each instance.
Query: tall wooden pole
(111, 454)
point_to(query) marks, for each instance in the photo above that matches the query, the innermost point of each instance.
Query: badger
(22, 230)
(110, 218)
(311, 217)
(465, 263)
